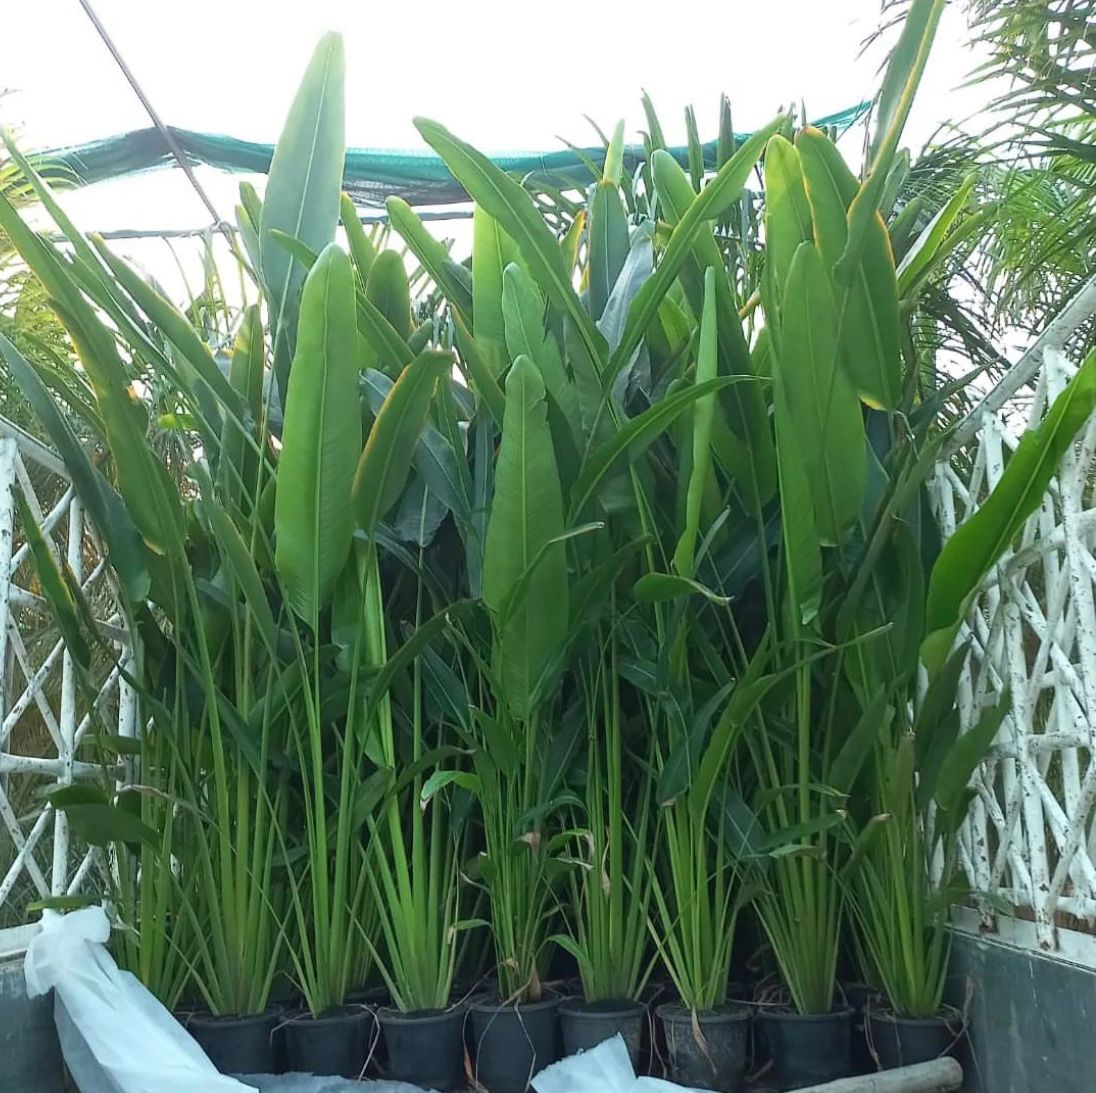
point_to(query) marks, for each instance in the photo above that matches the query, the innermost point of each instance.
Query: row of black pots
(513, 1043)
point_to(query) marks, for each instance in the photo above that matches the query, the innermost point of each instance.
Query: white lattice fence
(1030, 841)
(44, 719)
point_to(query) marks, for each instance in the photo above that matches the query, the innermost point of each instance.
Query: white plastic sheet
(115, 1036)
(603, 1069)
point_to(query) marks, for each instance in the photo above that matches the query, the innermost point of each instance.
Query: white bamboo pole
(938, 1076)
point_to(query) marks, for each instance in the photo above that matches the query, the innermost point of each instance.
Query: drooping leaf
(978, 544)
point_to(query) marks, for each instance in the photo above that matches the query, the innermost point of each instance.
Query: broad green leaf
(321, 439)
(526, 515)
(492, 252)
(787, 221)
(99, 822)
(507, 202)
(385, 462)
(824, 410)
(387, 289)
(802, 555)
(978, 544)
(362, 251)
(869, 302)
(303, 190)
(608, 244)
(451, 277)
(703, 412)
(965, 755)
(524, 312)
(239, 458)
(442, 778)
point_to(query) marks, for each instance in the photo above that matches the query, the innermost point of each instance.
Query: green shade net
(371, 175)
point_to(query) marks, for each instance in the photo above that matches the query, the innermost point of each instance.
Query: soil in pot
(902, 1041)
(717, 1059)
(239, 1045)
(808, 1049)
(335, 1043)
(586, 1024)
(425, 1047)
(512, 1043)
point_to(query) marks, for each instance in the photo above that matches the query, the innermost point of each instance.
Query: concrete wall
(30, 1057)
(1031, 1019)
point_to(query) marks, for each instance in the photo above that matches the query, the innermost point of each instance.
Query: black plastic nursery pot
(858, 997)
(425, 1047)
(902, 1041)
(808, 1048)
(335, 1043)
(717, 1058)
(514, 1042)
(246, 1044)
(584, 1025)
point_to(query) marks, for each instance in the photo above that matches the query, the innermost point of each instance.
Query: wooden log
(938, 1076)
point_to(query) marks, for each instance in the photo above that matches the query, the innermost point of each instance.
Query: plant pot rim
(388, 1015)
(610, 1007)
(339, 1014)
(946, 1015)
(729, 1012)
(208, 1017)
(783, 1013)
(492, 1004)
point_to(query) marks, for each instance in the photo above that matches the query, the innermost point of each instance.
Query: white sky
(504, 75)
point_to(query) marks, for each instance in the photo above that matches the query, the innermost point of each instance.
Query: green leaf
(57, 583)
(608, 244)
(524, 311)
(925, 251)
(965, 755)
(389, 292)
(99, 822)
(526, 515)
(362, 251)
(703, 413)
(659, 587)
(104, 506)
(977, 546)
(517, 214)
(857, 746)
(303, 190)
(385, 462)
(822, 407)
(321, 439)
(869, 329)
(449, 276)
(492, 252)
(787, 219)
(442, 778)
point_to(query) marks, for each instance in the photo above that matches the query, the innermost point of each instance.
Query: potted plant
(610, 886)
